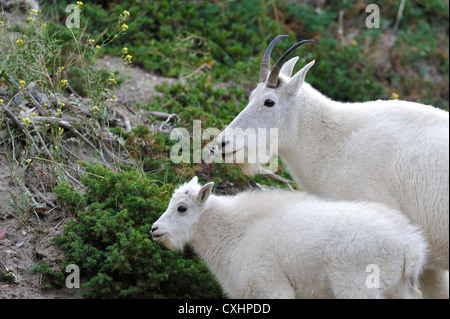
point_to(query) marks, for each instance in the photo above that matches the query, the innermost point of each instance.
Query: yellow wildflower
(97, 47)
(22, 82)
(124, 27)
(44, 25)
(26, 120)
(1, 101)
(79, 3)
(127, 59)
(91, 41)
(394, 96)
(19, 42)
(30, 19)
(59, 112)
(64, 83)
(124, 50)
(95, 109)
(126, 13)
(1, 22)
(112, 78)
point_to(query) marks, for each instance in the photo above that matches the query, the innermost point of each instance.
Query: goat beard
(250, 169)
(173, 243)
(263, 165)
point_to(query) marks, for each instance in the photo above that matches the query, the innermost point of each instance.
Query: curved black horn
(272, 81)
(265, 63)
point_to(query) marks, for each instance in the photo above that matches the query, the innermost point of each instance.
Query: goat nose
(154, 229)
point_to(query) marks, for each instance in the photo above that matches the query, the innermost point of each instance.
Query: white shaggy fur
(392, 152)
(285, 244)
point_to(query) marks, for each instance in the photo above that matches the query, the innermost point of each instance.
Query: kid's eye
(181, 209)
(269, 103)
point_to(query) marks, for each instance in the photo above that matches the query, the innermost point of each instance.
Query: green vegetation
(225, 39)
(110, 240)
(215, 48)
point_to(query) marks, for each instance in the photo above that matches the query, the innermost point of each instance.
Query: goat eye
(181, 209)
(269, 103)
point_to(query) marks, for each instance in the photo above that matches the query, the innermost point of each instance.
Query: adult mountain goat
(392, 152)
(286, 244)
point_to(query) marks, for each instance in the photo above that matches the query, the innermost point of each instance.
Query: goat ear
(287, 68)
(194, 180)
(297, 80)
(204, 192)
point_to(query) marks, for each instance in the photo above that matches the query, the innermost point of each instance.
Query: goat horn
(265, 63)
(272, 81)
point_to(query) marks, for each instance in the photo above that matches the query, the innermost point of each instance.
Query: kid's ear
(297, 80)
(204, 192)
(194, 180)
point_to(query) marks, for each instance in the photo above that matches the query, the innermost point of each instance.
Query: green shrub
(110, 241)
(342, 73)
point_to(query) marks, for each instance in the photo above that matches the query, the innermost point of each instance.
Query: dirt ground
(21, 247)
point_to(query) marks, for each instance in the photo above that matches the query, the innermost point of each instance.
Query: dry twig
(397, 23)
(14, 119)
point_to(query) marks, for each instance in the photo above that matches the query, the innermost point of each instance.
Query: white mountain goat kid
(392, 152)
(285, 244)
